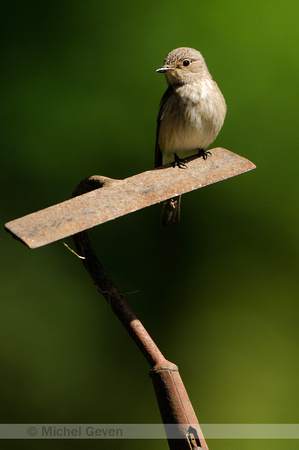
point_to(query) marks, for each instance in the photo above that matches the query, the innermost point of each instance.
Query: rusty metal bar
(115, 198)
(174, 403)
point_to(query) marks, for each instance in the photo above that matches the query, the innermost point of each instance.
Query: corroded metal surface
(119, 197)
(176, 408)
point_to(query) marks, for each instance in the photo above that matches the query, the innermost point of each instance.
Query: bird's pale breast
(191, 119)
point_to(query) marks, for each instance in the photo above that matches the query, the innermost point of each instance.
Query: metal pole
(174, 403)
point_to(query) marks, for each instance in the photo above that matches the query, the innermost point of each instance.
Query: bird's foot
(203, 153)
(179, 162)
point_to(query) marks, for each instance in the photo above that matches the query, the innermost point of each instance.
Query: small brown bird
(191, 114)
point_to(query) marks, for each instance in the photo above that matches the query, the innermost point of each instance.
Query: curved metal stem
(174, 403)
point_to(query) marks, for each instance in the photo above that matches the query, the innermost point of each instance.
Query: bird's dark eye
(186, 62)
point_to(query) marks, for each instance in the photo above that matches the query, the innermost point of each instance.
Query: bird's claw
(203, 153)
(179, 162)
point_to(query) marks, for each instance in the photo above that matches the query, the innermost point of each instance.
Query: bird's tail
(171, 211)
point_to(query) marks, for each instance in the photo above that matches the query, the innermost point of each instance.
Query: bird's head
(184, 65)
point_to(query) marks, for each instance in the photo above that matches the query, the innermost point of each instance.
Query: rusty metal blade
(119, 197)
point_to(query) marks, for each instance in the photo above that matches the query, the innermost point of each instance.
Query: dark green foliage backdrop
(79, 96)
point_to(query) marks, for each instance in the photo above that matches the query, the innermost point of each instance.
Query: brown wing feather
(158, 153)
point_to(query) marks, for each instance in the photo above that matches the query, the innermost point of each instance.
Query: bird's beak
(165, 69)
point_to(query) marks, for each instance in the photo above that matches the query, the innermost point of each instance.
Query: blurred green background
(79, 96)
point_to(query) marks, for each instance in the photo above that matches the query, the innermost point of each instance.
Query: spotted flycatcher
(191, 114)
